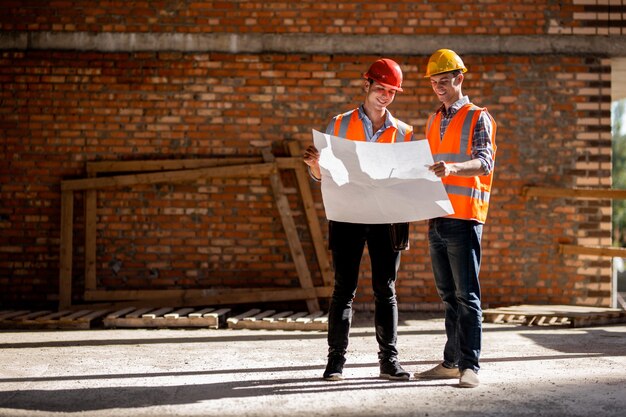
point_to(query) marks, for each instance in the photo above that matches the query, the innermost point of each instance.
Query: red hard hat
(386, 72)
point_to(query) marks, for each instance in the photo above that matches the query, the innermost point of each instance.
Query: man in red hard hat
(370, 122)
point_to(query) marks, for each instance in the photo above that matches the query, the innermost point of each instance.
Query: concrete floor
(525, 372)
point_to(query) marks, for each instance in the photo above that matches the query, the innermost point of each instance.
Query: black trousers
(347, 243)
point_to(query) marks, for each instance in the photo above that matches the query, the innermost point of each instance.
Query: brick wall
(525, 17)
(63, 107)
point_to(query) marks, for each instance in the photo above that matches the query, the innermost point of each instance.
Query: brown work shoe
(469, 379)
(439, 372)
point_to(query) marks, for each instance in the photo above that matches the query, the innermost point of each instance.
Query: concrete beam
(314, 43)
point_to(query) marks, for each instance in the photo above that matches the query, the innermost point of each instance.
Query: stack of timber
(554, 315)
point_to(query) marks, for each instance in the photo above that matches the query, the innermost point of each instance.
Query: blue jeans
(455, 255)
(347, 243)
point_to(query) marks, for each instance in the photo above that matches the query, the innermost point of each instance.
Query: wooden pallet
(46, 319)
(163, 317)
(271, 320)
(554, 315)
(167, 317)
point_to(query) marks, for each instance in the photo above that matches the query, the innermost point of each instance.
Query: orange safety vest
(469, 195)
(349, 126)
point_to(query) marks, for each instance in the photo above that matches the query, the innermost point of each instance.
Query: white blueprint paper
(369, 182)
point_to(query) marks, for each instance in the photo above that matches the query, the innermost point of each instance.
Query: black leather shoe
(391, 369)
(334, 369)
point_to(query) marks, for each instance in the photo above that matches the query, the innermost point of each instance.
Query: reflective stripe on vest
(465, 131)
(402, 127)
(345, 122)
(468, 192)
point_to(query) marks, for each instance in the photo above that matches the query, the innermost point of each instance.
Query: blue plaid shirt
(482, 148)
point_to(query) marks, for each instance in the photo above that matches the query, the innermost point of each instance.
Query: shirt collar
(454, 107)
(363, 115)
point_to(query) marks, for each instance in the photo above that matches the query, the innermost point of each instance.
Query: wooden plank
(563, 308)
(292, 162)
(297, 253)
(91, 204)
(321, 319)
(243, 296)
(313, 222)
(217, 318)
(32, 316)
(93, 315)
(294, 316)
(309, 326)
(211, 319)
(157, 313)
(169, 293)
(260, 316)
(20, 316)
(241, 316)
(10, 314)
(583, 193)
(120, 313)
(221, 311)
(178, 313)
(66, 249)
(171, 177)
(204, 297)
(114, 318)
(198, 314)
(254, 321)
(297, 321)
(310, 317)
(80, 320)
(128, 322)
(94, 168)
(278, 316)
(592, 250)
(75, 315)
(138, 313)
(55, 315)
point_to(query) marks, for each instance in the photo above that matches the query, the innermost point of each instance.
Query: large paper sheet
(369, 182)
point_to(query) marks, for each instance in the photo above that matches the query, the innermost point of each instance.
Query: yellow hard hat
(444, 60)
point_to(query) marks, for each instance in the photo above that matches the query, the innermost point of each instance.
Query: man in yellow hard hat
(370, 122)
(462, 138)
